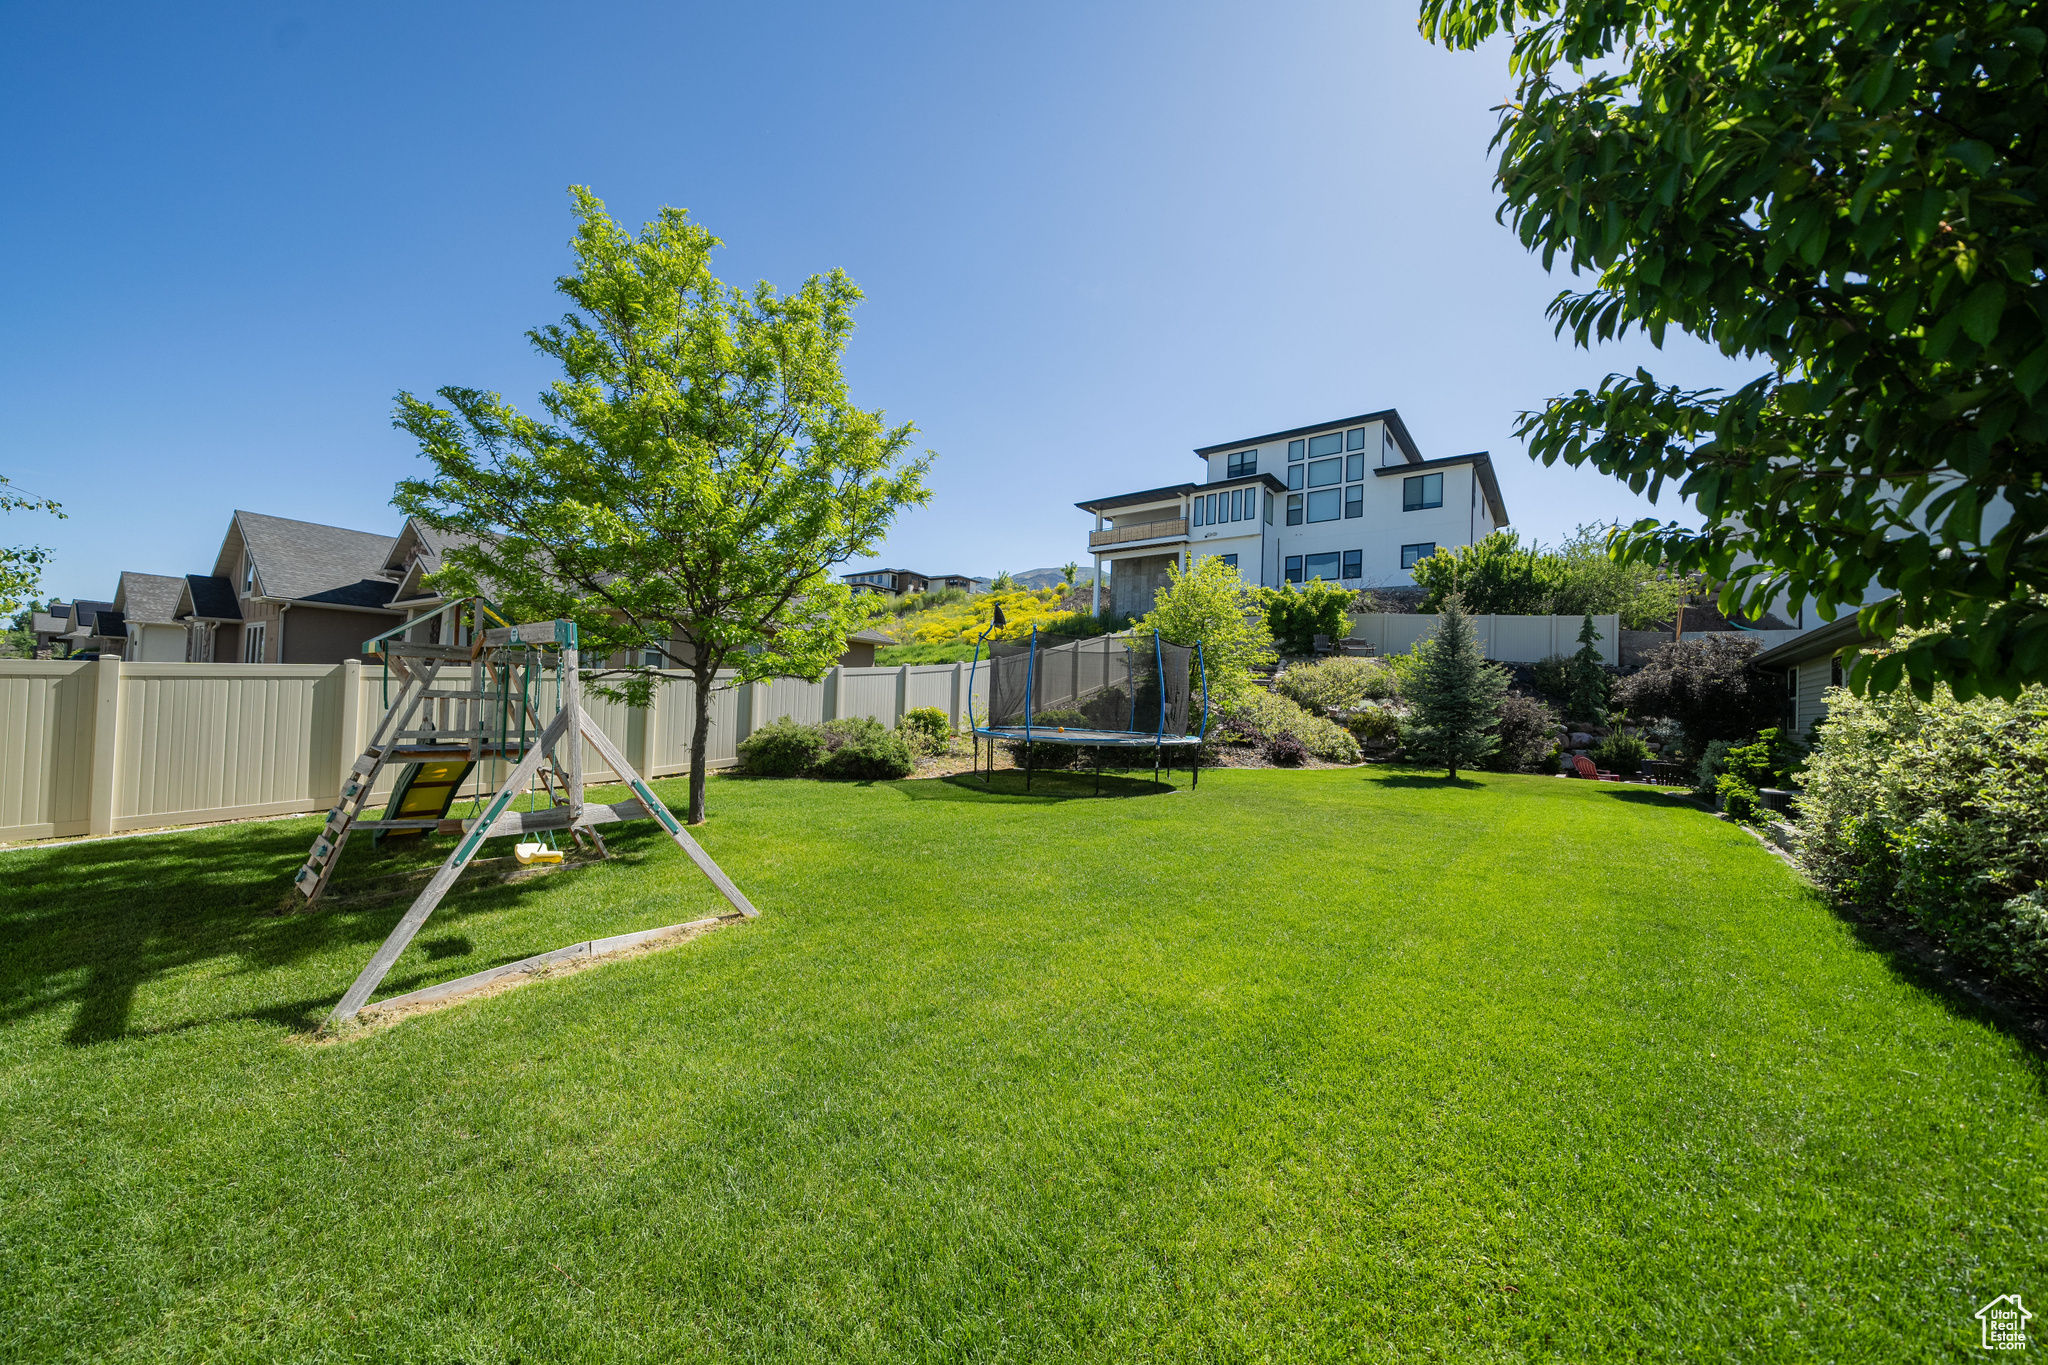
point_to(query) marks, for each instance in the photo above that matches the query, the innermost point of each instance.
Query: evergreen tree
(1587, 676)
(1454, 697)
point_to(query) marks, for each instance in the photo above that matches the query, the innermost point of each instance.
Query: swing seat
(529, 854)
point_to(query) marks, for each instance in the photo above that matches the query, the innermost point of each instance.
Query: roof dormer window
(249, 574)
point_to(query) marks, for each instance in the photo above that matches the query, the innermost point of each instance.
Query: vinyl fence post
(835, 685)
(959, 681)
(902, 693)
(650, 729)
(350, 742)
(106, 743)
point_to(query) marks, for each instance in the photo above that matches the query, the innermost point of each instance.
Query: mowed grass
(1333, 1065)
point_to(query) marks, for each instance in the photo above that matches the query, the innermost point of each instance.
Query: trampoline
(1108, 695)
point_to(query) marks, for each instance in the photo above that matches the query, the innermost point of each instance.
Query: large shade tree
(1849, 193)
(699, 472)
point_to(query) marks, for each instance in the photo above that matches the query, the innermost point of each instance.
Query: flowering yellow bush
(963, 622)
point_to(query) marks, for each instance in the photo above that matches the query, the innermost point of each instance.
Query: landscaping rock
(1580, 739)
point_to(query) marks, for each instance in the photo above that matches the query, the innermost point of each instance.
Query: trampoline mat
(1045, 734)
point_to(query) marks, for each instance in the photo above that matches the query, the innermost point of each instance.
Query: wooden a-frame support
(566, 732)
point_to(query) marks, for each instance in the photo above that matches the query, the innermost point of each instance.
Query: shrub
(1552, 676)
(1376, 725)
(1297, 613)
(926, 729)
(1497, 575)
(1711, 764)
(1086, 624)
(864, 749)
(1262, 719)
(1705, 683)
(1739, 798)
(782, 749)
(1937, 811)
(1333, 682)
(1620, 753)
(1212, 606)
(1285, 751)
(1528, 735)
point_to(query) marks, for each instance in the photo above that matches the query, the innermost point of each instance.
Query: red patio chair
(1584, 767)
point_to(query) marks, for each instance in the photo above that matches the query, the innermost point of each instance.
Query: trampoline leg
(1155, 765)
(1027, 766)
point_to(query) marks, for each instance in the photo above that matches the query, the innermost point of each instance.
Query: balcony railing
(1144, 530)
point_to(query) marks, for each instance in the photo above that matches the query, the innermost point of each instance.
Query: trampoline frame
(1095, 740)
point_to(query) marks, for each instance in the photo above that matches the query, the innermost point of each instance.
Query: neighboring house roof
(210, 598)
(870, 637)
(1389, 416)
(149, 598)
(420, 550)
(1481, 462)
(85, 616)
(108, 625)
(1822, 642)
(1175, 490)
(305, 561)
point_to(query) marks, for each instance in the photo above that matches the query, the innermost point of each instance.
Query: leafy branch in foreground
(1851, 194)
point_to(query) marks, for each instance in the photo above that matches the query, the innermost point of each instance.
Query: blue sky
(1092, 238)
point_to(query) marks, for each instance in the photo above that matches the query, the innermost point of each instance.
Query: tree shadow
(1423, 780)
(1006, 785)
(1668, 798)
(88, 926)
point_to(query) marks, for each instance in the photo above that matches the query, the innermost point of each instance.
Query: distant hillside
(1050, 578)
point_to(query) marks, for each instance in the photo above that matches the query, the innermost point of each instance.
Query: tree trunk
(700, 740)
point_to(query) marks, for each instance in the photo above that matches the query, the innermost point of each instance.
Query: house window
(1354, 467)
(1294, 476)
(1325, 445)
(252, 644)
(1294, 449)
(1325, 472)
(1321, 566)
(1422, 491)
(1294, 568)
(248, 573)
(1389, 452)
(1231, 560)
(1354, 500)
(1325, 505)
(1269, 507)
(1198, 510)
(1354, 439)
(652, 658)
(1411, 555)
(1354, 563)
(1294, 509)
(1237, 512)
(1244, 464)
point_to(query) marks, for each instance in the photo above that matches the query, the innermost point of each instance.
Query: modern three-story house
(1350, 500)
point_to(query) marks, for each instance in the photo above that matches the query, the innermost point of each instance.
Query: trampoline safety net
(1137, 685)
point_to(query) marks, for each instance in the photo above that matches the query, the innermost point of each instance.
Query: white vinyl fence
(1509, 639)
(100, 746)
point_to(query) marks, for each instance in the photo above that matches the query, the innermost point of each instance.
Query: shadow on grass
(87, 926)
(1423, 780)
(1669, 798)
(1007, 786)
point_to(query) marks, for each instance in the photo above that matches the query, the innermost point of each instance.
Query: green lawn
(1344, 1064)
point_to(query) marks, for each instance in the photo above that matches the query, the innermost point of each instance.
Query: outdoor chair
(1323, 645)
(1584, 767)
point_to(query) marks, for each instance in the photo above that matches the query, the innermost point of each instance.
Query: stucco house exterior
(901, 582)
(1351, 500)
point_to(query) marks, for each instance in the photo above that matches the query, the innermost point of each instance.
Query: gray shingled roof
(213, 597)
(149, 598)
(314, 563)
